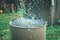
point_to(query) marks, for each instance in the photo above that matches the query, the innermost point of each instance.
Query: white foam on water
(28, 23)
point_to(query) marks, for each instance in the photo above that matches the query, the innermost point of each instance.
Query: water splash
(28, 23)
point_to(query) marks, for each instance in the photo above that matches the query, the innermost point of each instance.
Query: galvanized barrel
(35, 33)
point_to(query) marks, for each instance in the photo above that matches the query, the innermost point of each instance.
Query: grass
(4, 24)
(53, 32)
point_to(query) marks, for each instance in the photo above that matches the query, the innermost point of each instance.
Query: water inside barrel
(28, 23)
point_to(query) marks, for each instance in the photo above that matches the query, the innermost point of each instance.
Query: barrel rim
(24, 27)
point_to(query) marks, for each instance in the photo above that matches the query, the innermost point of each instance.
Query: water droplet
(28, 29)
(30, 8)
(40, 0)
(33, 0)
(29, 3)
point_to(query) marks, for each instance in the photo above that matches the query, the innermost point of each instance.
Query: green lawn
(53, 33)
(4, 24)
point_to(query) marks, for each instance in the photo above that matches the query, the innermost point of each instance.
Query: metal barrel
(38, 33)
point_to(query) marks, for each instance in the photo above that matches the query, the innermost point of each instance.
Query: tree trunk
(52, 15)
